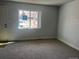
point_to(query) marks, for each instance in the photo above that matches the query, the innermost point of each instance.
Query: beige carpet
(38, 49)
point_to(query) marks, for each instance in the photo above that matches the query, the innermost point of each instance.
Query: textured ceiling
(44, 2)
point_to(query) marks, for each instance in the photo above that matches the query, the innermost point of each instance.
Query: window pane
(34, 24)
(28, 19)
(34, 19)
(24, 24)
(34, 14)
(23, 19)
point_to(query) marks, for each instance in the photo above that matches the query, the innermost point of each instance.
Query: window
(29, 19)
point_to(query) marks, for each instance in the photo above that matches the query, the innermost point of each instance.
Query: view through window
(29, 19)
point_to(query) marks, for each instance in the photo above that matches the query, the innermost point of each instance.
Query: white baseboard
(34, 38)
(39, 38)
(71, 45)
(47, 37)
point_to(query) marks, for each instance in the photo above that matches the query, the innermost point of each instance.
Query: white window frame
(39, 20)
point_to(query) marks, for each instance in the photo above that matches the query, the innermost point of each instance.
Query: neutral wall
(68, 31)
(49, 21)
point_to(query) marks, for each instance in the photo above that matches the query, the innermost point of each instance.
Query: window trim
(39, 19)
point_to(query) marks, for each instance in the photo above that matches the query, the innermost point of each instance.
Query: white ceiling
(44, 2)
